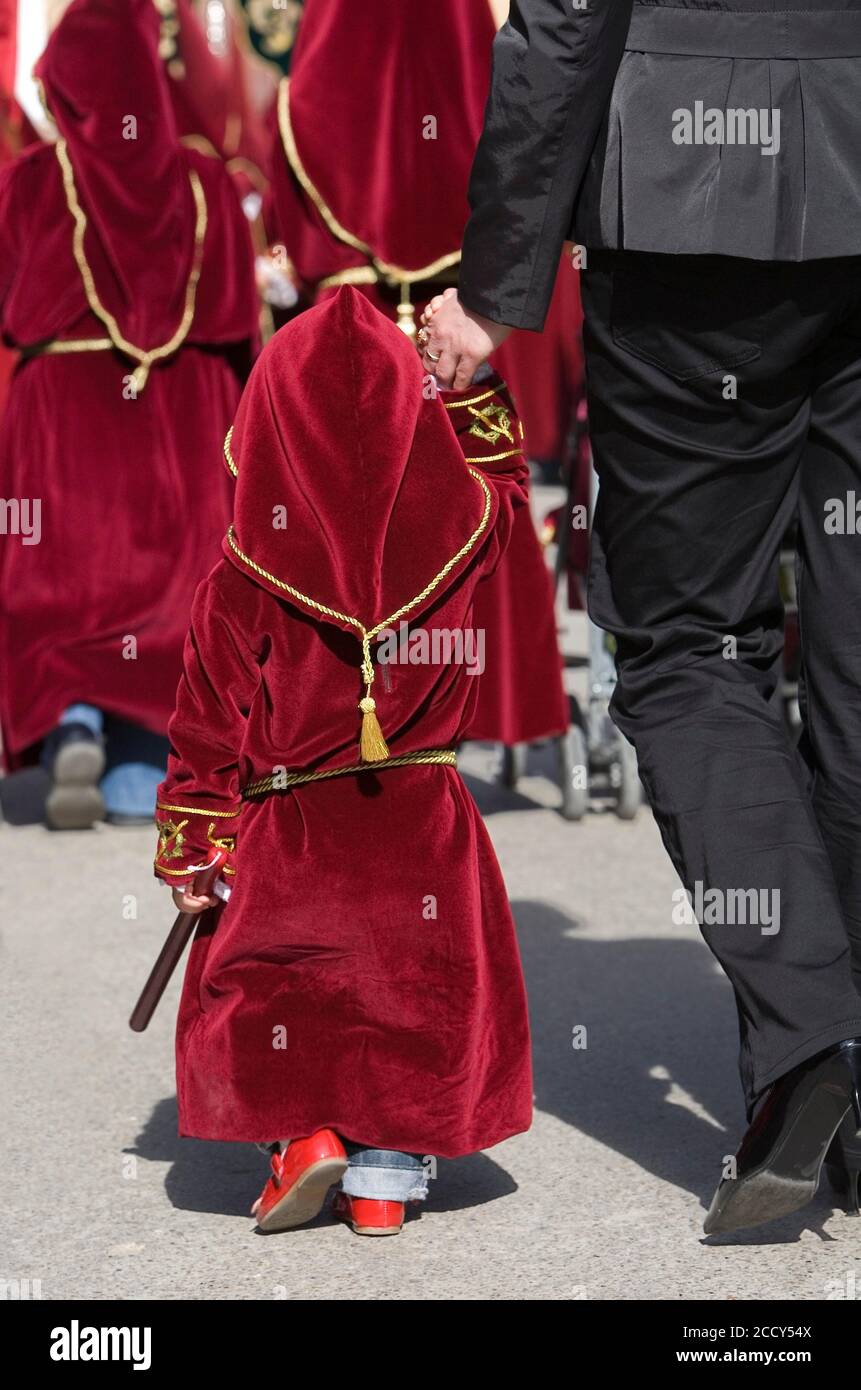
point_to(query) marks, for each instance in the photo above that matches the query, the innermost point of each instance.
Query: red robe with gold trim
(131, 493)
(211, 98)
(358, 188)
(364, 974)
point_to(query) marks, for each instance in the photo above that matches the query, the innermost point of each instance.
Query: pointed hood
(352, 493)
(101, 69)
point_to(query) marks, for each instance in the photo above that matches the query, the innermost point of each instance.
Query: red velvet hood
(362, 147)
(101, 64)
(377, 500)
(209, 95)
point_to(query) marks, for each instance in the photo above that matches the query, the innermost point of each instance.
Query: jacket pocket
(690, 315)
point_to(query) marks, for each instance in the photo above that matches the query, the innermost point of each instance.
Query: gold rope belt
(62, 345)
(280, 781)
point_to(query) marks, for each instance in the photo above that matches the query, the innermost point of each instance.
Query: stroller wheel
(513, 764)
(626, 781)
(574, 773)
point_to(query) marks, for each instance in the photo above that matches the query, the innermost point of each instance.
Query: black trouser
(697, 490)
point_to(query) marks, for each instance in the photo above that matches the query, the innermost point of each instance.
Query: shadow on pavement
(657, 1081)
(226, 1178)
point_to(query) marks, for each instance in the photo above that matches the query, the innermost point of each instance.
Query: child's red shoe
(369, 1216)
(301, 1177)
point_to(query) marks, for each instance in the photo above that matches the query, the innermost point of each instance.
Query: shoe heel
(843, 1164)
(846, 1183)
(853, 1058)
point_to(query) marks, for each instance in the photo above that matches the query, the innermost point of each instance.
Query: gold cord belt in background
(446, 757)
(64, 345)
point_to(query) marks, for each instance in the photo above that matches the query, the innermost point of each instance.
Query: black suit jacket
(601, 126)
(553, 72)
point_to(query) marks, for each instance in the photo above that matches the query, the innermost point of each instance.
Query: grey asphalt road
(603, 1199)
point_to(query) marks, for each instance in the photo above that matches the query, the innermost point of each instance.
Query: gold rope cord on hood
(372, 744)
(385, 270)
(144, 358)
(228, 457)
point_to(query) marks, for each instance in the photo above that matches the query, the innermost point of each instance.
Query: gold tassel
(372, 746)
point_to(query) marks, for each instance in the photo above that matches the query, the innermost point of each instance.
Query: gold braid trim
(396, 274)
(473, 400)
(195, 810)
(58, 346)
(192, 869)
(495, 458)
(180, 873)
(369, 633)
(228, 457)
(144, 358)
(201, 143)
(432, 757)
(238, 164)
(372, 744)
(353, 275)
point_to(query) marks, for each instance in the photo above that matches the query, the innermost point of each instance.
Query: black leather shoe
(781, 1155)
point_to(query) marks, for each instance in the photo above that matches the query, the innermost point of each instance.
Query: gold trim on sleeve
(473, 400)
(181, 873)
(496, 458)
(196, 810)
(144, 357)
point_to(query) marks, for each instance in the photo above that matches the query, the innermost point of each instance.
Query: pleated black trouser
(724, 399)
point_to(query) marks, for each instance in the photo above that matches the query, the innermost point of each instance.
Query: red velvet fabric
(521, 696)
(209, 95)
(353, 478)
(135, 190)
(406, 197)
(100, 64)
(11, 128)
(368, 929)
(118, 479)
(400, 193)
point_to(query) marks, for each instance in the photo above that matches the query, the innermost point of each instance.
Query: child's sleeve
(199, 804)
(489, 431)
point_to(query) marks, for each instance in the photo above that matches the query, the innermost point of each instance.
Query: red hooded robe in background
(15, 131)
(209, 89)
(369, 187)
(127, 283)
(368, 921)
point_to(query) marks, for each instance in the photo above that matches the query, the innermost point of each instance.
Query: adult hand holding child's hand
(454, 341)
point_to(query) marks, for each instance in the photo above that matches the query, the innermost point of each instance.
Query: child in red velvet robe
(359, 1006)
